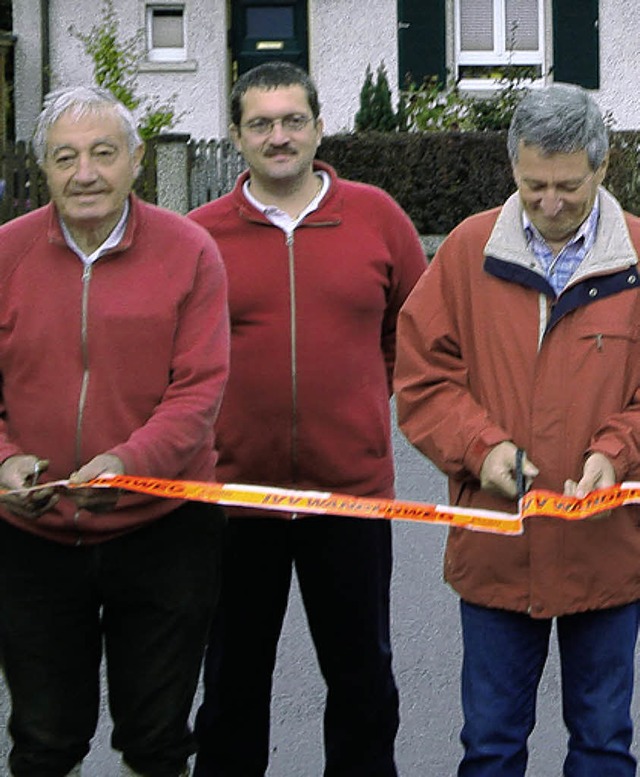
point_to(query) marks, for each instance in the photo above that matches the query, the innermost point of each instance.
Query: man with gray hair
(113, 358)
(519, 364)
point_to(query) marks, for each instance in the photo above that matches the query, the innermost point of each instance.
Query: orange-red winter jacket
(487, 353)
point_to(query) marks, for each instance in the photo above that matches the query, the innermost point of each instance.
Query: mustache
(87, 190)
(278, 150)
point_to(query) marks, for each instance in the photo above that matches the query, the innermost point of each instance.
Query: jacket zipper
(86, 279)
(294, 359)
(543, 317)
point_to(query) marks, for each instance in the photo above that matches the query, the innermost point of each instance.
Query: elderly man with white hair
(113, 359)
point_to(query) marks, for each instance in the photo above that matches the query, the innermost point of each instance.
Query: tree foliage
(376, 109)
(434, 107)
(116, 65)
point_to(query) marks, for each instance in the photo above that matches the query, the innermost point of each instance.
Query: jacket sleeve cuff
(480, 447)
(616, 454)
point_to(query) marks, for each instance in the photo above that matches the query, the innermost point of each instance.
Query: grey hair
(81, 101)
(561, 118)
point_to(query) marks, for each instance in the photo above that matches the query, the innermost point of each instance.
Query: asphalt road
(426, 659)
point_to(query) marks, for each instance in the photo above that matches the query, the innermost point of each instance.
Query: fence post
(172, 171)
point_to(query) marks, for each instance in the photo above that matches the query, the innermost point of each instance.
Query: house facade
(194, 49)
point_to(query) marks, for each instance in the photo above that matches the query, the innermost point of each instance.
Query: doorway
(262, 30)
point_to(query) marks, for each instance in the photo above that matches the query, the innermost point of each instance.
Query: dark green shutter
(421, 40)
(576, 43)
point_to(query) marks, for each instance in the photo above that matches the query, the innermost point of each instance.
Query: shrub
(115, 67)
(434, 108)
(376, 111)
(440, 178)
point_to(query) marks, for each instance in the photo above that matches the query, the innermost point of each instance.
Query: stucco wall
(28, 66)
(343, 40)
(200, 83)
(619, 91)
(203, 86)
(344, 37)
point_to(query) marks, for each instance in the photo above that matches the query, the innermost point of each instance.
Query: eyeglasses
(263, 126)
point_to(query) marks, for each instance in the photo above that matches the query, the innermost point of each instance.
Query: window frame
(165, 53)
(500, 55)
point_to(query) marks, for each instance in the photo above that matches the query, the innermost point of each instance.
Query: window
(166, 33)
(270, 22)
(495, 35)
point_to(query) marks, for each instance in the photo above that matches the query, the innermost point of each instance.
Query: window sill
(187, 66)
(492, 85)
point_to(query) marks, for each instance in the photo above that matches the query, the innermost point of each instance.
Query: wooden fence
(213, 168)
(23, 186)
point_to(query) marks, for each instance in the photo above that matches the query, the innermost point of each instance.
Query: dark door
(576, 43)
(268, 29)
(421, 41)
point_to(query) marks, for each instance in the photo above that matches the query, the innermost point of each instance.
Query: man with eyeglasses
(318, 268)
(519, 364)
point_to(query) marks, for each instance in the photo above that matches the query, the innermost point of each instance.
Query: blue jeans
(504, 656)
(145, 598)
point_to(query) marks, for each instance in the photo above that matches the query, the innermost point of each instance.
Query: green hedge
(440, 178)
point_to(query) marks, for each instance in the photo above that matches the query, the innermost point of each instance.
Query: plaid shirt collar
(559, 269)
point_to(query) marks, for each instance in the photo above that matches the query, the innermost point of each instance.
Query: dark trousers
(148, 597)
(504, 656)
(344, 568)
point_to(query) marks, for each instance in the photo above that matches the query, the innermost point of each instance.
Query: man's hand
(97, 500)
(19, 472)
(597, 473)
(498, 473)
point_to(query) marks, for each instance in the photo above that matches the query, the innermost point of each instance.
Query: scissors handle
(40, 465)
(520, 483)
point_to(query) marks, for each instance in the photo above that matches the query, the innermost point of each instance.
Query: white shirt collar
(114, 237)
(278, 217)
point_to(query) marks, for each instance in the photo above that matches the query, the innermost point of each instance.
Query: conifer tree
(363, 116)
(383, 113)
(376, 111)
(402, 114)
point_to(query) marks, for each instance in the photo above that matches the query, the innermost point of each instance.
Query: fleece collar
(609, 267)
(612, 250)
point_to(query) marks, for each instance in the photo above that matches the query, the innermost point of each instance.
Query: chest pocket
(608, 335)
(606, 360)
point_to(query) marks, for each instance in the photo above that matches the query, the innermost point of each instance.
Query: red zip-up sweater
(128, 356)
(313, 326)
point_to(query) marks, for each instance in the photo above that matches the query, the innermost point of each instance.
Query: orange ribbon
(535, 503)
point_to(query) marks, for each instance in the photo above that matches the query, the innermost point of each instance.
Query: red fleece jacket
(129, 356)
(313, 327)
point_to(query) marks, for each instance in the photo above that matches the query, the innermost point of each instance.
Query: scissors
(39, 466)
(521, 485)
